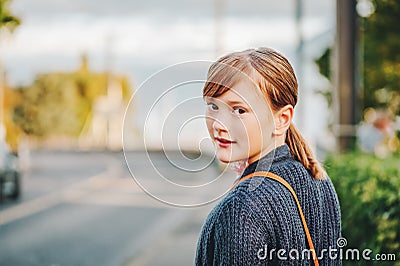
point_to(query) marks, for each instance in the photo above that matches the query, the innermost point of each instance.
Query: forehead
(244, 91)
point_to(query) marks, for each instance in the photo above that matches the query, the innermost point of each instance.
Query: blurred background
(86, 91)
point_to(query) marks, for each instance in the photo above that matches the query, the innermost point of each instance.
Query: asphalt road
(89, 208)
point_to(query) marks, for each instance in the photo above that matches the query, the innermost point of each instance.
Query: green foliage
(324, 67)
(7, 20)
(52, 105)
(61, 103)
(381, 56)
(369, 195)
(323, 63)
(380, 60)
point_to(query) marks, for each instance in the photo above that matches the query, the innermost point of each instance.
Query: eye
(239, 110)
(212, 107)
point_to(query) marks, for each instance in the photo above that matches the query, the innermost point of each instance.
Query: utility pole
(346, 75)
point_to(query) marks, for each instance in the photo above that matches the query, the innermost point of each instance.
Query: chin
(228, 158)
(225, 158)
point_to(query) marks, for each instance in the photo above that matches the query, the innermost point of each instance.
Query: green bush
(369, 193)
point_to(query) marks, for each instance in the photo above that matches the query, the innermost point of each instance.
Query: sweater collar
(278, 154)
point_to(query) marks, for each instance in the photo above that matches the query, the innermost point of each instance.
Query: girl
(251, 97)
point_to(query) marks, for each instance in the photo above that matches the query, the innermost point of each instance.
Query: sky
(148, 33)
(139, 38)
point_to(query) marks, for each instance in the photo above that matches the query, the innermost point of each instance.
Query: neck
(279, 141)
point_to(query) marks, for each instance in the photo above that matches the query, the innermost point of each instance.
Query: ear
(283, 118)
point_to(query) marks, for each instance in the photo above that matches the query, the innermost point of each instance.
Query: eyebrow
(215, 99)
(235, 102)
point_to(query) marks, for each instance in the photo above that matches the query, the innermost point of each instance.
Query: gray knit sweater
(257, 223)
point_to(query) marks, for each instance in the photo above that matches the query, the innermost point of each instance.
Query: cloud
(55, 33)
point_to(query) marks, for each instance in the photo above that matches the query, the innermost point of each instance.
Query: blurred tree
(61, 103)
(7, 96)
(11, 99)
(380, 59)
(381, 56)
(324, 66)
(7, 20)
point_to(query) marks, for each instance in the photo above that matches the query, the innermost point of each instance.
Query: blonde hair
(275, 77)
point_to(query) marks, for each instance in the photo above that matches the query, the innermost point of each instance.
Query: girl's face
(240, 123)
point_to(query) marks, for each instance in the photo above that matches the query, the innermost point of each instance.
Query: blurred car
(10, 185)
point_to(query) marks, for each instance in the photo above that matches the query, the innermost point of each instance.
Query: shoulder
(257, 212)
(300, 178)
(245, 207)
(257, 204)
(266, 198)
(234, 231)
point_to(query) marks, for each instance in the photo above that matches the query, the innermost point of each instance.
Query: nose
(219, 126)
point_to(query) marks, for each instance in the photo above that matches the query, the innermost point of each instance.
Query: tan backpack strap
(287, 185)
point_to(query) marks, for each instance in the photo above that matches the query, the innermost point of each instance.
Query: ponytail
(302, 153)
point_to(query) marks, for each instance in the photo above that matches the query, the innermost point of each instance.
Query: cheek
(255, 134)
(248, 130)
(209, 123)
(258, 131)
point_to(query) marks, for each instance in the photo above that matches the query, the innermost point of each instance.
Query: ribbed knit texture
(260, 213)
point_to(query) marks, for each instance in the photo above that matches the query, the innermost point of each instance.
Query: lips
(224, 143)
